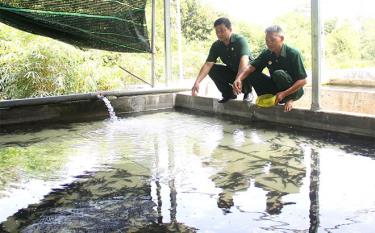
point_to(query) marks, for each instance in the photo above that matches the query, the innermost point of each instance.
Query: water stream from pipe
(107, 103)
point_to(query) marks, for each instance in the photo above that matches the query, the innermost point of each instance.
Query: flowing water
(111, 111)
(177, 172)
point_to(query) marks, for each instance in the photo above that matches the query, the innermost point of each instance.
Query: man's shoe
(248, 97)
(225, 99)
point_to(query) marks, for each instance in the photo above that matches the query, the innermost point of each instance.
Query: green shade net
(118, 25)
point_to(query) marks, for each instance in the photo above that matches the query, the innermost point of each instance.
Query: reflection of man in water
(236, 182)
(285, 176)
(274, 202)
(274, 167)
(233, 176)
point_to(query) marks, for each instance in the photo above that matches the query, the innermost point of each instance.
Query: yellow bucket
(266, 100)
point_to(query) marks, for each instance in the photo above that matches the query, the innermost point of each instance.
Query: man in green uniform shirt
(287, 73)
(234, 52)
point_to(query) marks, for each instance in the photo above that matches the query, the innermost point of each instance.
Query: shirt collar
(233, 38)
(283, 51)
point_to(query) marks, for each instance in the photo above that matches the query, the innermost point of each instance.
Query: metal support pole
(167, 40)
(153, 35)
(316, 53)
(179, 39)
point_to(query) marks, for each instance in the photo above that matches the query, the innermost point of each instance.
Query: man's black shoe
(225, 99)
(248, 97)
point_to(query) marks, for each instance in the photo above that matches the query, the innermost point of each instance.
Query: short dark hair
(224, 21)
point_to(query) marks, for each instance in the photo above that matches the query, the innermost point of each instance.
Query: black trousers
(280, 80)
(223, 77)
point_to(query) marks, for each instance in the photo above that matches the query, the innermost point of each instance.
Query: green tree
(297, 29)
(32, 66)
(197, 20)
(330, 25)
(367, 40)
(255, 35)
(343, 45)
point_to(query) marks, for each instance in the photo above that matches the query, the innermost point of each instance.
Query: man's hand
(279, 97)
(237, 86)
(195, 89)
(288, 105)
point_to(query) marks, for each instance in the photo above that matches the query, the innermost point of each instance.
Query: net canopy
(113, 25)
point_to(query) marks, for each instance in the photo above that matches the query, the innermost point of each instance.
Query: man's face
(223, 33)
(274, 41)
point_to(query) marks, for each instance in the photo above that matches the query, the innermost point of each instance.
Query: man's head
(223, 29)
(274, 38)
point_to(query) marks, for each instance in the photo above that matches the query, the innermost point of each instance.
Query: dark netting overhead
(115, 25)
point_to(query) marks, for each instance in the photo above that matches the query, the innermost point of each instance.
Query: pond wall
(74, 108)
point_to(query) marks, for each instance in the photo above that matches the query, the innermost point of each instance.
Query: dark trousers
(223, 77)
(280, 80)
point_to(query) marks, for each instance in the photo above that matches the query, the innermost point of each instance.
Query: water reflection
(162, 225)
(100, 202)
(314, 192)
(152, 175)
(275, 168)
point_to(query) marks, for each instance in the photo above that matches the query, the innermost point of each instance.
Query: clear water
(176, 172)
(111, 111)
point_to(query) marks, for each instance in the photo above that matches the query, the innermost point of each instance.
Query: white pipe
(167, 40)
(316, 53)
(179, 39)
(153, 35)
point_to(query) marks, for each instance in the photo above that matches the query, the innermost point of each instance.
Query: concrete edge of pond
(350, 123)
(85, 97)
(83, 107)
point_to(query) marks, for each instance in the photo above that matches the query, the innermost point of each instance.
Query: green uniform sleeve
(299, 69)
(243, 47)
(261, 61)
(213, 54)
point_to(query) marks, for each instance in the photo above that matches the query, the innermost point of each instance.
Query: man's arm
(205, 69)
(244, 62)
(299, 72)
(257, 64)
(241, 75)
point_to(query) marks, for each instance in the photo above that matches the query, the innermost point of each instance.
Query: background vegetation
(32, 66)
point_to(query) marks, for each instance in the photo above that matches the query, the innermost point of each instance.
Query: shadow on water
(107, 201)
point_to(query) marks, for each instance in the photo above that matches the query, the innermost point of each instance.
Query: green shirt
(231, 54)
(290, 60)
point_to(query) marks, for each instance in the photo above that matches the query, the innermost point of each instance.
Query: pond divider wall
(350, 123)
(83, 107)
(71, 108)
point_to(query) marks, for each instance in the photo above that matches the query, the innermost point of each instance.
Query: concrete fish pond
(175, 171)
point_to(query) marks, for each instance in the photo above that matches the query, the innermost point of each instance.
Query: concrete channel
(72, 108)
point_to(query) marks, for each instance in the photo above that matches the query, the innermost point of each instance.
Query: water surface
(177, 172)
